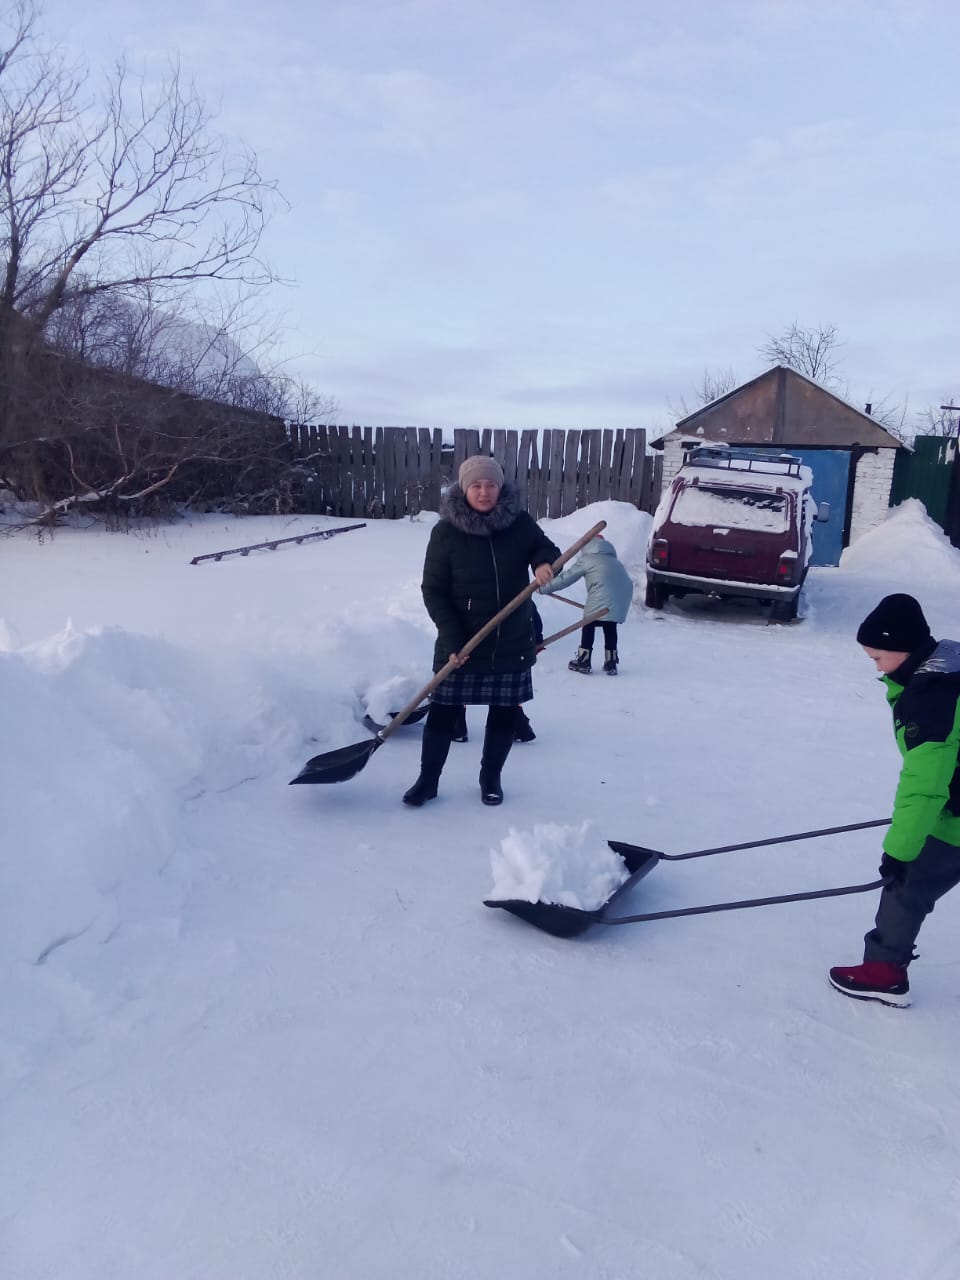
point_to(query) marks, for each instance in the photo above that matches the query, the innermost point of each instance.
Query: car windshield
(755, 509)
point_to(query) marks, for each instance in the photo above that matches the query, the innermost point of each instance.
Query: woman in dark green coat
(478, 559)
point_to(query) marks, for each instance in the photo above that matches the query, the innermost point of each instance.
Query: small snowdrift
(908, 546)
(627, 528)
(908, 552)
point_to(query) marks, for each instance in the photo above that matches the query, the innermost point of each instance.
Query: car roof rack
(732, 459)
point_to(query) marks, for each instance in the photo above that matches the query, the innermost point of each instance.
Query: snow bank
(627, 528)
(907, 552)
(907, 545)
(107, 734)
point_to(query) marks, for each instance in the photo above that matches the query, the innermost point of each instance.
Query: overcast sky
(545, 213)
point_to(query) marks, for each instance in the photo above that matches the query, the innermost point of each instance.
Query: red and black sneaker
(873, 980)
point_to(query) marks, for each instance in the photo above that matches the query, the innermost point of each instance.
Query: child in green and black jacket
(921, 851)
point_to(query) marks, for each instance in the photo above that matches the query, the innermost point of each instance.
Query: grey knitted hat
(480, 468)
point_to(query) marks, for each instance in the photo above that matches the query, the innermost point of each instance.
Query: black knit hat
(897, 624)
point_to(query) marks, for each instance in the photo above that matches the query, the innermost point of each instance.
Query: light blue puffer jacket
(609, 586)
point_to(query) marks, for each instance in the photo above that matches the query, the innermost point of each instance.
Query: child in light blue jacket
(609, 587)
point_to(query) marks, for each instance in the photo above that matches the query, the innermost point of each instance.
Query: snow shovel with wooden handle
(574, 626)
(569, 922)
(346, 762)
(420, 712)
(552, 595)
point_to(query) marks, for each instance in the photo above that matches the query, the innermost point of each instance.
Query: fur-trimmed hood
(474, 566)
(455, 508)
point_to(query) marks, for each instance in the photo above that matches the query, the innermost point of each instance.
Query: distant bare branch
(137, 188)
(940, 419)
(810, 351)
(130, 232)
(891, 414)
(712, 384)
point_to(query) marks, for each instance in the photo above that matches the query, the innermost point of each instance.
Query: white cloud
(509, 208)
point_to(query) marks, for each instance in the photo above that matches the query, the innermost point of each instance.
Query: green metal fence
(927, 474)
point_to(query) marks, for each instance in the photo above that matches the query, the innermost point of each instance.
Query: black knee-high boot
(437, 736)
(523, 729)
(497, 741)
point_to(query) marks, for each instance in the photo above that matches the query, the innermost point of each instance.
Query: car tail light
(786, 569)
(660, 553)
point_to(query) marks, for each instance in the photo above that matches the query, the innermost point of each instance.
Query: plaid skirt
(505, 689)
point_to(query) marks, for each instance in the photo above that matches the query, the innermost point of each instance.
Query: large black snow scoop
(346, 762)
(568, 922)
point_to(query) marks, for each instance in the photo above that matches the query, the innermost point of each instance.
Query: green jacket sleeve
(928, 730)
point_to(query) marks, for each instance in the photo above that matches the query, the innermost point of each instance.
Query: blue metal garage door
(831, 479)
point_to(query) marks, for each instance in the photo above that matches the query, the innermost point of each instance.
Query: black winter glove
(892, 869)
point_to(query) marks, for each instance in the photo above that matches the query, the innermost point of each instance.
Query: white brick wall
(673, 452)
(871, 492)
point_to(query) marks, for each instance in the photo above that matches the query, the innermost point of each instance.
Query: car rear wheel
(657, 595)
(786, 610)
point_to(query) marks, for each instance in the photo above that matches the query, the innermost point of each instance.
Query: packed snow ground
(253, 1032)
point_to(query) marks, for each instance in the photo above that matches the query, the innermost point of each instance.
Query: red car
(735, 522)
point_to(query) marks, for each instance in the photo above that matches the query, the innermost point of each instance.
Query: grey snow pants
(904, 907)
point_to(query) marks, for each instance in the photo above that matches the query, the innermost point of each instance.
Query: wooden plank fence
(396, 471)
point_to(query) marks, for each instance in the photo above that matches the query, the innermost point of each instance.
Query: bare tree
(810, 351)
(130, 234)
(136, 188)
(713, 384)
(940, 420)
(226, 351)
(163, 409)
(106, 199)
(891, 414)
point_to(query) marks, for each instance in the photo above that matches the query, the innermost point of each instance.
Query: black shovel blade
(568, 922)
(339, 765)
(412, 718)
(633, 851)
(551, 917)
